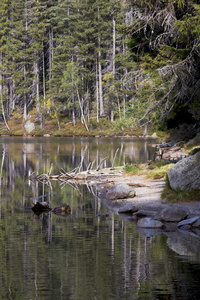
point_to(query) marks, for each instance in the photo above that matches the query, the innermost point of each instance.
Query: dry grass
(152, 171)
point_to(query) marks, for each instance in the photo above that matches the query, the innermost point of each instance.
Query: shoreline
(148, 193)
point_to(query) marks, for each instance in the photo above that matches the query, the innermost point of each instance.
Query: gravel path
(148, 192)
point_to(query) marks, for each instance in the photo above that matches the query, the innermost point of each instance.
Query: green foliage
(173, 54)
(153, 171)
(158, 170)
(195, 108)
(189, 27)
(132, 169)
(51, 49)
(123, 123)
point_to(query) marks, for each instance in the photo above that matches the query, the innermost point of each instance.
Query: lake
(92, 253)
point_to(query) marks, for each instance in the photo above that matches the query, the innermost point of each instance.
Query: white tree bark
(101, 104)
(43, 75)
(113, 71)
(97, 93)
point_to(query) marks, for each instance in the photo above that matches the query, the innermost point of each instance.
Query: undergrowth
(179, 196)
(159, 170)
(152, 171)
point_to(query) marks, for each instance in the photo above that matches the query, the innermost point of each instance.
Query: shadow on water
(93, 253)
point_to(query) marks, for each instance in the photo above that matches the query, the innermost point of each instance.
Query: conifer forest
(128, 62)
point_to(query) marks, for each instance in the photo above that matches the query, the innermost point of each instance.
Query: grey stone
(119, 191)
(185, 174)
(196, 211)
(193, 222)
(29, 126)
(128, 208)
(145, 213)
(149, 223)
(172, 213)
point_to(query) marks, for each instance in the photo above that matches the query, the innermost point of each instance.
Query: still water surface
(85, 255)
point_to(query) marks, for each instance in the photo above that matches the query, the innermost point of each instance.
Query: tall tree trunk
(1, 93)
(2, 106)
(101, 105)
(81, 109)
(100, 86)
(114, 46)
(36, 83)
(113, 62)
(73, 111)
(11, 95)
(97, 93)
(123, 84)
(50, 55)
(43, 72)
(25, 96)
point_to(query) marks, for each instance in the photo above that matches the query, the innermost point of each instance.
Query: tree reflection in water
(92, 253)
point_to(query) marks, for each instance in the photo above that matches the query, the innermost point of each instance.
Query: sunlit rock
(185, 174)
(29, 126)
(120, 191)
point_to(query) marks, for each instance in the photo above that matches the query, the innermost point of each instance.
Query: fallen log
(84, 175)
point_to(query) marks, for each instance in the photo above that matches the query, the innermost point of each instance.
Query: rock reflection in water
(185, 245)
(91, 254)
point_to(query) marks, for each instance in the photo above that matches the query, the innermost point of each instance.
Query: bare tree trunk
(2, 106)
(97, 93)
(25, 104)
(12, 95)
(36, 83)
(24, 93)
(43, 70)
(81, 108)
(73, 111)
(1, 93)
(50, 55)
(114, 46)
(113, 61)
(100, 87)
(101, 105)
(123, 84)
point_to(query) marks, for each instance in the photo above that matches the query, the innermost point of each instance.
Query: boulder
(196, 211)
(119, 191)
(128, 208)
(185, 174)
(145, 213)
(192, 222)
(149, 223)
(29, 126)
(172, 213)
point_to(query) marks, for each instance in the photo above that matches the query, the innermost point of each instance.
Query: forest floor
(50, 127)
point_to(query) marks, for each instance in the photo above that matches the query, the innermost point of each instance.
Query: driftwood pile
(78, 175)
